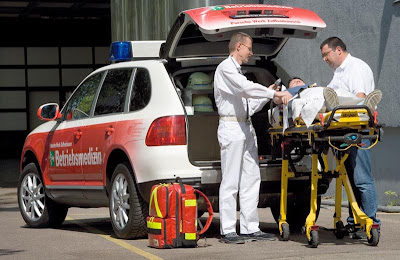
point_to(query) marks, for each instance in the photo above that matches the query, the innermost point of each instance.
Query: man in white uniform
(237, 99)
(355, 76)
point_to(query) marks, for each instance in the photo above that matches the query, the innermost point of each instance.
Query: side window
(113, 92)
(81, 102)
(141, 90)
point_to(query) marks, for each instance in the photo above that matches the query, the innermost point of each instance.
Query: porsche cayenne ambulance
(128, 126)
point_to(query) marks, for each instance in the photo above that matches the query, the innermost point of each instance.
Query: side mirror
(49, 112)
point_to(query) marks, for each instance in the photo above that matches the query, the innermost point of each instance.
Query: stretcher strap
(351, 145)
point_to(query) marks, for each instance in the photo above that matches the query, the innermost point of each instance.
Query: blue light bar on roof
(120, 51)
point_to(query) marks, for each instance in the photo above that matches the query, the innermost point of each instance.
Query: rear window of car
(141, 90)
(113, 92)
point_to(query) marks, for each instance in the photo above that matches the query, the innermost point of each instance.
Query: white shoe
(331, 99)
(373, 99)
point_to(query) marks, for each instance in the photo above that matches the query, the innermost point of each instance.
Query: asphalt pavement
(87, 234)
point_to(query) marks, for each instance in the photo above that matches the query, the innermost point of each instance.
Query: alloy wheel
(120, 201)
(32, 196)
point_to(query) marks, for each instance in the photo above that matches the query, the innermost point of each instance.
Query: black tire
(340, 230)
(285, 232)
(374, 240)
(36, 208)
(297, 211)
(126, 201)
(314, 239)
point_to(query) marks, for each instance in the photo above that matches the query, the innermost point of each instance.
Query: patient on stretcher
(333, 98)
(308, 101)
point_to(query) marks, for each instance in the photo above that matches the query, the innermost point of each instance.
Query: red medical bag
(172, 220)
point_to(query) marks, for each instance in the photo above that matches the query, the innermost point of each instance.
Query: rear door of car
(100, 128)
(205, 32)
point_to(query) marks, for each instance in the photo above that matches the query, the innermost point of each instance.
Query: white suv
(127, 126)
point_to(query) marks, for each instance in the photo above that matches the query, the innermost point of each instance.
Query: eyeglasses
(326, 53)
(249, 48)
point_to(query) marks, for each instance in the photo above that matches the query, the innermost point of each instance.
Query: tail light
(169, 130)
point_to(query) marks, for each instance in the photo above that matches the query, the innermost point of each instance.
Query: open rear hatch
(205, 32)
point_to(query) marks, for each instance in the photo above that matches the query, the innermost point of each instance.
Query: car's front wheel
(36, 208)
(128, 210)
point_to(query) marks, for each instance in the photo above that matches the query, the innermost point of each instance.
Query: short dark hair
(237, 37)
(334, 42)
(290, 80)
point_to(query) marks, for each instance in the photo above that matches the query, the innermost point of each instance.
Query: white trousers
(240, 174)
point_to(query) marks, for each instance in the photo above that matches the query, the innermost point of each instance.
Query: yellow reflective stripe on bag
(154, 194)
(190, 236)
(153, 225)
(190, 203)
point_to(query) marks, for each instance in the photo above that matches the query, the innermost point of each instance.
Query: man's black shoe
(232, 238)
(360, 234)
(259, 235)
(351, 228)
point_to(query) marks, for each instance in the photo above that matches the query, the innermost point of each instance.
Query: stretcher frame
(339, 136)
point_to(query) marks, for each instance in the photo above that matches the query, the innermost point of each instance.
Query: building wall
(152, 20)
(371, 32)
(40, 62)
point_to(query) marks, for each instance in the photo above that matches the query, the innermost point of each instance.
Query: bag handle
(154, 195)
(210, 212)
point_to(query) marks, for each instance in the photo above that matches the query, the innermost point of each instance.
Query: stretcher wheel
(314, 239)
(285, 232)
(374, 240)
(340, 231)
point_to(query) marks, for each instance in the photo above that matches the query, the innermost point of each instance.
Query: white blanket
(308, 104)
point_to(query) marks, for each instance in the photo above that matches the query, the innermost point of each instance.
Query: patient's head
(296, 81)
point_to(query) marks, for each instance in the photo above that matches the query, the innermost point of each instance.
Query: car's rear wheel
(128, 210)
(36, 208)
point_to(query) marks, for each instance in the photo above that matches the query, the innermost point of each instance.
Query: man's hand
(274, 87)
(285, 96)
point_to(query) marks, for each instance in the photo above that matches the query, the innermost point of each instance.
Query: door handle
(78, 134)
(109, 130)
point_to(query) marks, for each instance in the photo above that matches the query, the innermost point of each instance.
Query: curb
(388, 209)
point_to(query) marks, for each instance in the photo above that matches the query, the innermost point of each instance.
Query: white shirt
(352, 76)
(231, 89)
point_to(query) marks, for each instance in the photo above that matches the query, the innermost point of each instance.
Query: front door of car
(66, 154)
(99, 130)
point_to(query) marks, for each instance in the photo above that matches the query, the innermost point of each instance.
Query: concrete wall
(152, 20)
(371, 32)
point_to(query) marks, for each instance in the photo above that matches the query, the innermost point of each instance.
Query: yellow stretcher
(338, 130)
